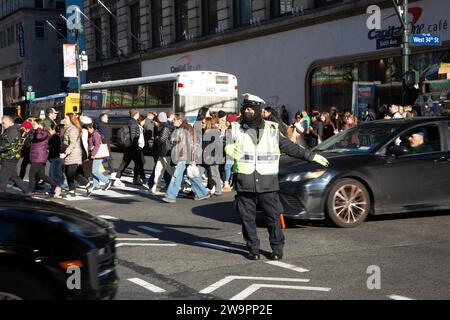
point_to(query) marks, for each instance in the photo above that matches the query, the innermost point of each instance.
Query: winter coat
(54, 147)
(11, 144)
(95, 140)
(184, 146)
(39, 146)
(135, 132)
(73, 153)
(103, 129)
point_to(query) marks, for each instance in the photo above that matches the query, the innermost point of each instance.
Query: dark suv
(52, 251)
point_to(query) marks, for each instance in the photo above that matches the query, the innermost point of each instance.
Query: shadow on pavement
(170, 233)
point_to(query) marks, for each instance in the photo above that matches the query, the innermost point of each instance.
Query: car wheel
(17, 285)
(348, 203)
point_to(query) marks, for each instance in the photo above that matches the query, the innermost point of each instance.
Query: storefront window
(376, 82)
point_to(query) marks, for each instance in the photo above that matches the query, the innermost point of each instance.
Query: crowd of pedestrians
(186, 157)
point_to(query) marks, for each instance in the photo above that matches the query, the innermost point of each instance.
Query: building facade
(311, 54)
(30, 51)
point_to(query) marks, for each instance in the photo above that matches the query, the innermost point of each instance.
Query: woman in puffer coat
(38, 158)
(73, 155)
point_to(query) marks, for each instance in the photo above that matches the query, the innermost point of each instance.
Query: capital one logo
(73, 13)
(374, 19)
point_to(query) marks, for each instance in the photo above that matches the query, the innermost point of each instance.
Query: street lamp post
(402, 9)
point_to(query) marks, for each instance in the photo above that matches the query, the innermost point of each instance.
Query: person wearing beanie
(162, 117)
(222, 114)
(255, 146)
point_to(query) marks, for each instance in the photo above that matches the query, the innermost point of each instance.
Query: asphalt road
(194, 250)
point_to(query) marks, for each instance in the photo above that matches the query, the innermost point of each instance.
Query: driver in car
(417, 143)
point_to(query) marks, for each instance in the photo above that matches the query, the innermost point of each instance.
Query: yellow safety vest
(248, 157)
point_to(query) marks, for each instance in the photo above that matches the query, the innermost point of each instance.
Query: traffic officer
(256, 144)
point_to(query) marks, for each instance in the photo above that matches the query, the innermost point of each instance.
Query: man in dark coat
(10, 148)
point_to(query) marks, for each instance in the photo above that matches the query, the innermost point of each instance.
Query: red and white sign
(70, 60)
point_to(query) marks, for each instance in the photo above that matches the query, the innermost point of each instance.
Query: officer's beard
(252, 119)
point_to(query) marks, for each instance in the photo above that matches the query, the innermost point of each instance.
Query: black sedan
(381, 167)
(52, 251)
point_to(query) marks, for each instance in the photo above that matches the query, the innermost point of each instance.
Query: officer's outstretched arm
(296, 151)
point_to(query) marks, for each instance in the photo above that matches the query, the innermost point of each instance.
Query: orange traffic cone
(283, 226)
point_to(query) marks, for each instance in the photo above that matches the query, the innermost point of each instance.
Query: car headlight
(296, 177)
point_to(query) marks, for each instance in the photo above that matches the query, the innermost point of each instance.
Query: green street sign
(30, 96)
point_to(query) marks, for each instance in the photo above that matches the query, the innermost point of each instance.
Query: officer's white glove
(321, 160)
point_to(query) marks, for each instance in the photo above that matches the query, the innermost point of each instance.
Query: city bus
(64, 103)
(183, 93)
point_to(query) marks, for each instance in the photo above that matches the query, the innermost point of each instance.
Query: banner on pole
(70, 60)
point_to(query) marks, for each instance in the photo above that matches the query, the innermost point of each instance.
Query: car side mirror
(397, 151)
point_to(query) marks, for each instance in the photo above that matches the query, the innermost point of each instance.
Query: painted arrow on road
(228, 279)
(256, 286)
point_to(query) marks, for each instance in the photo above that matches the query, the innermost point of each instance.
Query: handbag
(103, 152)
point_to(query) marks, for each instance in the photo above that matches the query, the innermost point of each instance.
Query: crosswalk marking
(287, 266)
(147, 285)
(212, 245)
(146, 245)
(397, 297)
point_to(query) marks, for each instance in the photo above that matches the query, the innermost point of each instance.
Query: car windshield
(359, 139)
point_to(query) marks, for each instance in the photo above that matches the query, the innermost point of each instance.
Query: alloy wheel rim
(8, 296)
(349, 203)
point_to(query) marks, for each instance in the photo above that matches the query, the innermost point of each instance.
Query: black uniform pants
(8, 171)
(269, 203)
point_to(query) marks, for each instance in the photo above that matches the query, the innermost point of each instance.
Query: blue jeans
(228, 167)
(97, 175)
(56, 171)
(175, 184)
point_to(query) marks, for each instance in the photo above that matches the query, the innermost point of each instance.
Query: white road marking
(218, 246)
(255, 287)
(287, 266)
(146, 245)
(109, 218)
(228, 279)
(147, 285)
(397, 297)
(150, 229)
(137, 239)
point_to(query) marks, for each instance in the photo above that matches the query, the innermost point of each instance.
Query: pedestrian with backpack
(129, 141)
(162, 149)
